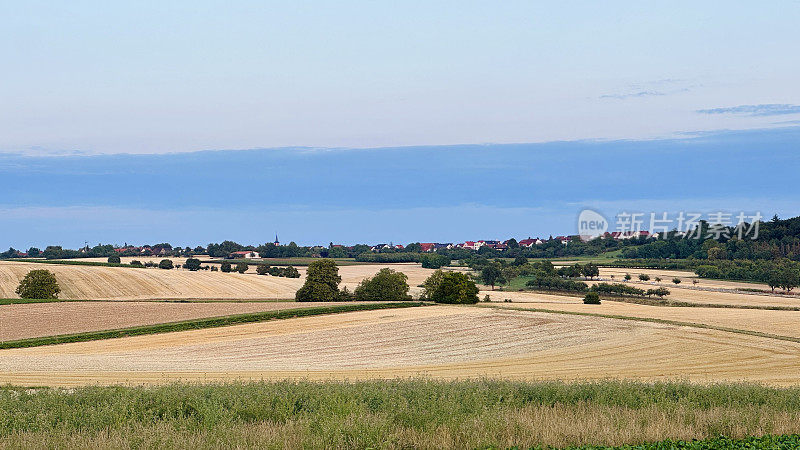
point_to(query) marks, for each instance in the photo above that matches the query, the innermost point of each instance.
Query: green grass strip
(197, 324)
(651, 320)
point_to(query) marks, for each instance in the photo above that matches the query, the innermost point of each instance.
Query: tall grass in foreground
(392, 414)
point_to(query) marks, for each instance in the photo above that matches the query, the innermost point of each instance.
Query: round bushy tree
(387, 285)
(262, 269)
(644, 277)
(136, 263)
(225, 266)
(322, 282)
(454, 287)
(591, 298)
(676, 280)
(165, 264)
(242, 267)
(39, 284)
(192, 264)
(291, 272)
(114, 259)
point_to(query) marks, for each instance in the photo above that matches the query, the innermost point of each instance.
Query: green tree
(114, 259)
(644, 277)
(39, 284)
(591, 298)
(136, 263)
(512, 243)
(192, 264)
(455, 287)
(225, 266)
(492, 274)
(627, 277)
(520, 261)
(322, 282)
(789, 277)
(433, 261)
(590, 270)
(165, 264)
(387, 285)
(241, 267)
(262, 269)
(676, 280)
(291, 272)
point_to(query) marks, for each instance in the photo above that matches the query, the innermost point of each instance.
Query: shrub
(434, 261)
(136, 263)
(214, 268)
(387, 285)
(676, 280)
(550, 282)
(242, 267)
(618, 289)
(660, 292)
(114, 259)
(291, 272)
(644, 277)
(39, 284)
(225, 267)
(322, 282)
(149, 264)
(455, 287)
(591, 298)
(262, 269)
(165, 264)
(627, 277)
(192, 264)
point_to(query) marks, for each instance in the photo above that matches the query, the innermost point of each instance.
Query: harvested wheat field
(124, 283)
(434, 341)
(782, 323)
(23, 321)
(109, 283)
(686, 277)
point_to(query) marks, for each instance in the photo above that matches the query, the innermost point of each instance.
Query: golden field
(432, 341)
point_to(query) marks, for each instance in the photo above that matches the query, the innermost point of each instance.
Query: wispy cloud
(634, 95)
(768, 109)
(657, 88)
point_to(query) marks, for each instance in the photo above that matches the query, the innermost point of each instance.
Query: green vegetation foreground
(392, 414)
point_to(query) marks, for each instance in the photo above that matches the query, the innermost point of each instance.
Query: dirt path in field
(438, 341)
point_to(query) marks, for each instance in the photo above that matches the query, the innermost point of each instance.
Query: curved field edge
(196, 324)
(409, 413)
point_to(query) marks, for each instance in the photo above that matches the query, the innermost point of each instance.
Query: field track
(441, 341)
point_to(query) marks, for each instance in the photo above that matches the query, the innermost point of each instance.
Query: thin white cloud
(767, 109)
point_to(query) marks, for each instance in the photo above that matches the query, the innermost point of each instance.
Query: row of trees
(322, 284)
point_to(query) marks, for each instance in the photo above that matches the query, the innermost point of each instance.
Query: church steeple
(276, 240)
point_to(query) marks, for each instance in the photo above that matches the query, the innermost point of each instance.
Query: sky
(377, 121)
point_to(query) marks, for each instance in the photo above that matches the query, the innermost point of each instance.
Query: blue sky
(387, 121)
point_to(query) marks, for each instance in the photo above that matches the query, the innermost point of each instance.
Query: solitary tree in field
(322, 282)
(387, 285)
(165, 264)
(627, 277)
(591, 298)
(454, 287)
(241, 267)
(39, 284)
(644, 277)
(676, 280)
(192, 264)
(492, 275)
(225, 266)
(658, 279)
(114, 259)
